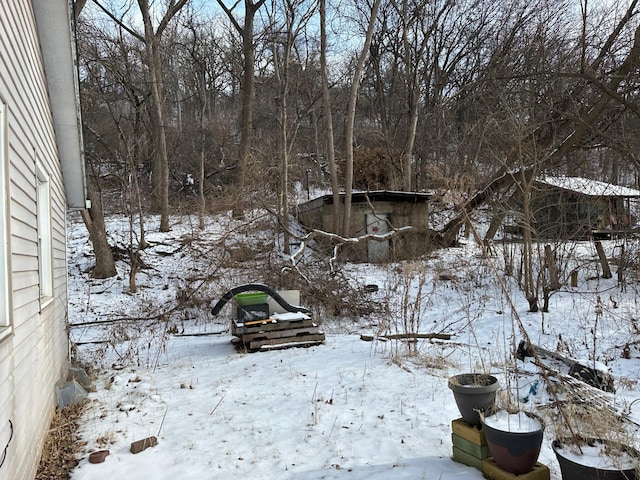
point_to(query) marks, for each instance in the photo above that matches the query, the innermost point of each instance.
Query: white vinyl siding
(34, 355)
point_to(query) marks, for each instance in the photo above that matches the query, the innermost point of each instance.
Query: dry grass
(61, 447)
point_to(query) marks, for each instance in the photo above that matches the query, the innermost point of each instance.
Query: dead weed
(59, 454)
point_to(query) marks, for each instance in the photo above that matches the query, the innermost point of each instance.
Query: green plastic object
(251, 298)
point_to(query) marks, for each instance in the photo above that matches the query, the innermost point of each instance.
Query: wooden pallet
(300, 340)
(239, 328)
(278, 331)
(491, 470)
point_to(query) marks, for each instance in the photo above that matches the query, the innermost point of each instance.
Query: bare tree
(372, 11)
(568, 126)
(200, 58)
(421, 57)
(326, 101)
(93, 217)
(433, 85)
(152, 40)
(288, 23)
(247, 85)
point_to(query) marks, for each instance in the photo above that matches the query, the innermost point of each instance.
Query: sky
(345, 409)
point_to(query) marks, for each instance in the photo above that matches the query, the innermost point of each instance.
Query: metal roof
(374, 196)
(588, 187)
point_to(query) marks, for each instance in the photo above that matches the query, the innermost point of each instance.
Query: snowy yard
(346, 409)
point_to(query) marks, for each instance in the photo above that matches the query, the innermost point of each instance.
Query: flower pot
(599, 460)
(514, 440)
(474, 392)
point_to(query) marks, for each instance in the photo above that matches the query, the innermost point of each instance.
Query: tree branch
(119, 21)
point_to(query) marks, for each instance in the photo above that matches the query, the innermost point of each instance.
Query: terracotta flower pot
(514, 440)
(474, 392)
(596, 459)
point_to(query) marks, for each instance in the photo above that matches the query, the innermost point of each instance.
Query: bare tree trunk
(606, 270)
(134, 255)
(295, 16)
(248, 88)
(331, 156)
(529, 286)
(201, 197)
(284, 178)
(134, 159)
(315, 122)
(105, 266)
(152, 46)
(494, 225)
(281, 67)
(93, 217)
(554, 281)
(350, 120)
(142, 242)
(408, 148)
(413, 88)
(203, 139)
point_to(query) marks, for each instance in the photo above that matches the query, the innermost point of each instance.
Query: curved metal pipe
(252, 287)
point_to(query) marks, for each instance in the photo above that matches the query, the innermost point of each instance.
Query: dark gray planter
(572, 469)
(474, 392)
(514, 451)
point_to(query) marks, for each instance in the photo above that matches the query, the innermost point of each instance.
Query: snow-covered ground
(346, 409)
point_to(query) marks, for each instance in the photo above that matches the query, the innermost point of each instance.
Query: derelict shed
(377, 212)
(580, 208)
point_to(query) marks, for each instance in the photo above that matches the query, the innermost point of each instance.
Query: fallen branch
(407, 336)
(217, 405)
(200, 334)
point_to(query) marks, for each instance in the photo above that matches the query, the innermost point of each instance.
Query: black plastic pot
(513, 451)
(474, 392)
(572, 468)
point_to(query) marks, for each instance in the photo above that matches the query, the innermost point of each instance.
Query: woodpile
(279, 330)
(266, 319)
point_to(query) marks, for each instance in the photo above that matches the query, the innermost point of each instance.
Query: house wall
(34, 348)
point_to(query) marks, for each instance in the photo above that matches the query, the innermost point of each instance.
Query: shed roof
(374, 196)
(588, 187)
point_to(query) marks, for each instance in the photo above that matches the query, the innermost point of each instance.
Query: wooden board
(283, 346)
(478, 451)
(491, 470)
(239, 329)
(461, 456)
(297, 340)
(280, 334)
(469, 432)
